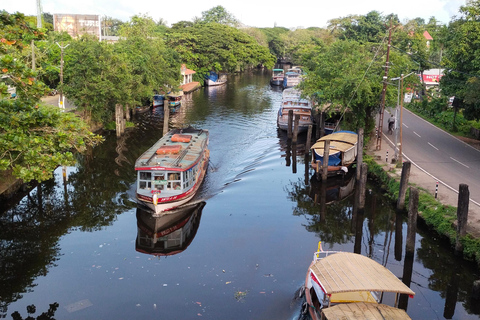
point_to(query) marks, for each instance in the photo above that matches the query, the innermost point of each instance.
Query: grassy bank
(439, 217)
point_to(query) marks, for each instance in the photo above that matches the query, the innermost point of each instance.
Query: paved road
(53, 100)
(444, 157)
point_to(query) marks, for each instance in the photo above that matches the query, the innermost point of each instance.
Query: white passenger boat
(291, 100)
(337, 282)
(171, 171)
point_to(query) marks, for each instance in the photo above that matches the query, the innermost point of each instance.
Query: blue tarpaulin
(212, 75)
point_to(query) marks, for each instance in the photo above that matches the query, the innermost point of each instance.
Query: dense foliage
(34, 139)
(462, 60)
(213, 46)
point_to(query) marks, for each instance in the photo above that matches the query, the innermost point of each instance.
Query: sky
(254, 13)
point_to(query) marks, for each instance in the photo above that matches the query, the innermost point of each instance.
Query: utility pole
(39, 25)
(401, 120)
(384, 91)
(61, 99)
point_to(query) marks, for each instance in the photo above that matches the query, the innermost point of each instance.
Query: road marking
(436, 179)
(460, 163)
(405, 125)
(431, 145)
(417, 134)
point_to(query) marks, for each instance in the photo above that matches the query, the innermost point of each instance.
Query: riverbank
(439, 213)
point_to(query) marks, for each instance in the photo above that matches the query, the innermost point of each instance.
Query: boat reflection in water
(333, 189)
(170, 233)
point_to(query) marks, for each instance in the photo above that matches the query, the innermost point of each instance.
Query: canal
(241, 253)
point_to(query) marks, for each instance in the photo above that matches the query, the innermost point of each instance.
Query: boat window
(144, 180)
(174, 176)
(174, 181)
(145, 185)
(145, 175)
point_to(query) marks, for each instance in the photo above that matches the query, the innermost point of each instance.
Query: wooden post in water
(412, 221)
(359, 152)
(127, 112)
(295, 128)
(118, 119)
(362, 186)
(166, 115)
(322, 124)
(403, 185)
(309, 140)
(289, 124)
(462, 216)
(294, 158)
(318, 120)
(326, 152)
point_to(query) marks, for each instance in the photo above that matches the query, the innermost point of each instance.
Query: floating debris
(79, 305)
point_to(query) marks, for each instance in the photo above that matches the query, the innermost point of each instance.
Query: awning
(347, 272)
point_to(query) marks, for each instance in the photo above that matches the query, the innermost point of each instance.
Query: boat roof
(185, 156)
(364, 311)
(349, 272)
(339, 141)
(278, 70)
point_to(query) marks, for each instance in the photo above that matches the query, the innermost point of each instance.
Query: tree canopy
(34, 138)
(219, 15)
(212, 46)
(462, 60)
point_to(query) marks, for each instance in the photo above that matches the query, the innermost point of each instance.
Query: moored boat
(214, 79)
(291, 79)
(170, 172)
(337, 281)
(292, 100)
(158, 100)
(277, 77)
(175, 99)
(342, 152)
(170, 233)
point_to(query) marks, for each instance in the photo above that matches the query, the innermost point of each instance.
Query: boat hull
(210, 83)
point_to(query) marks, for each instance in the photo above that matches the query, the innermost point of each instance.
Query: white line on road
(431, 145)
(405, 125)
(460, 163)
(417, 134)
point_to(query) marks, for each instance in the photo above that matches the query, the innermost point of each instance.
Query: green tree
(462, 61)
(34, 139)
(368, 28)
(151, 65)
(346, 77)
(212, 46)
(96, 78)
(219, 15)
(111, 26)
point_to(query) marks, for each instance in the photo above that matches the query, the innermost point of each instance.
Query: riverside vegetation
(344, 63)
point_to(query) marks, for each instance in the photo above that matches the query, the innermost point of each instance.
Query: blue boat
(158, 100)
(342, 152)
(213, 79)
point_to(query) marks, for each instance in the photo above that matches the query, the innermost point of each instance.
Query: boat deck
(187, 155)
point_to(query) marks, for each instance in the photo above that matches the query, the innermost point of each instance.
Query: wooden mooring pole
(295, 128)
(403, 185)
(118, 119)
(309, 140)
(412, 221)
(289, 124)
(326, 152)
(462, 216)
(359, 152)
(322, 124)
(362, 186)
